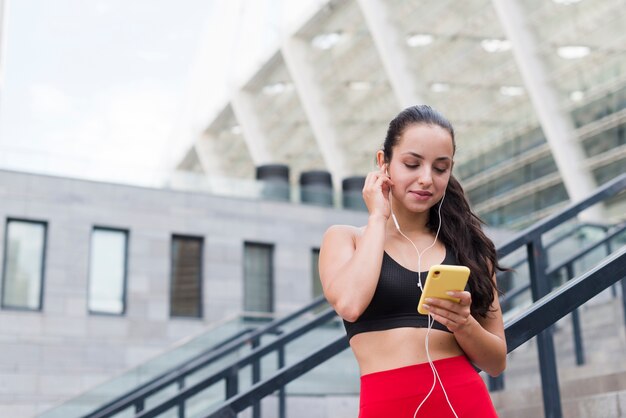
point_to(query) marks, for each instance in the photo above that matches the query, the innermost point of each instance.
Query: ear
(380, 159)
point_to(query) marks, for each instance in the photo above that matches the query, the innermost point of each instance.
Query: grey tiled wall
(56, 353)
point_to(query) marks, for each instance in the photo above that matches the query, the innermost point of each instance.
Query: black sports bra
(394, 304)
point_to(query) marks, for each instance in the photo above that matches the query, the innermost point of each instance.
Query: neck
(410, 222)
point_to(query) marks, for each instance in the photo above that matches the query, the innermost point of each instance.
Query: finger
(446, 304)
(450, 310)
(380, 181)
(371, 179)
(455, 309)
(443, 320)
(373, 175)
(465, 297)
(451, 321)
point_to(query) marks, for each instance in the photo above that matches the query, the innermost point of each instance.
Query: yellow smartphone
(442, 278)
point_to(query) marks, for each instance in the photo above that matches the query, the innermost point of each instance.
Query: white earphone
(436, 377)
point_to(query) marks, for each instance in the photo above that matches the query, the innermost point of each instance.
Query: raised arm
(350, 262)
(349, 271)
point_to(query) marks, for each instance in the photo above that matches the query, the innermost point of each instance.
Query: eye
(440, 170)
(411, 165)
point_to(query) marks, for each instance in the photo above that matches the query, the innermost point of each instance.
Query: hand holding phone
(441, 279)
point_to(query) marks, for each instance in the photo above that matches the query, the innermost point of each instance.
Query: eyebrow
(416, 155)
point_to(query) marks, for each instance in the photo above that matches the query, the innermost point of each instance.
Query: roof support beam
(294, 51)
(556, 123)
(208, 156)
(253, 135)
(393, 57)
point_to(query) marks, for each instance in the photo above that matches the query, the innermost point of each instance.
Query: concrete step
(595, 389)
(603, 405)
(570, 389)
(604, 341)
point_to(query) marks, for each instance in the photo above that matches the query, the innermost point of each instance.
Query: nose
(426, 176)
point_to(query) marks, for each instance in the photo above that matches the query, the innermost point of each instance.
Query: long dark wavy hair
(462, 230)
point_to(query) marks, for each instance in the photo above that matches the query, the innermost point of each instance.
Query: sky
(116, 90)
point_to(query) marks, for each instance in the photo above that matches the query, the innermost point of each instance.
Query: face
(421, 165)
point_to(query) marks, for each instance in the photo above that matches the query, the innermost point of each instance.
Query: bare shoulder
(338, 246)
(342, 233)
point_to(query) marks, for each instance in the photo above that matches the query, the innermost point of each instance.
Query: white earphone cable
(436, 377)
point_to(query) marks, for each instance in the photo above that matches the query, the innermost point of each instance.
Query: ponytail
(461, 231)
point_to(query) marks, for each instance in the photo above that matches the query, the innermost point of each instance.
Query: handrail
(573, 231)
(558, 239)
(136, 396)
(612, 233)
(527, 325)
(609, 189)
(549, 309)
(283, 376)
(230, 370)
(529, 238)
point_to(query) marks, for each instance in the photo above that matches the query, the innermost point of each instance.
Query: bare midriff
(377, 351)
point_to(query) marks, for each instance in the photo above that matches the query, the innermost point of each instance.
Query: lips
(421, 195)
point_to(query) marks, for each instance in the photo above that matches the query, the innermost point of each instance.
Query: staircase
(590, 390)
(304, 367)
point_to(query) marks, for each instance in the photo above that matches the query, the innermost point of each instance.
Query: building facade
(536, 91)
(98, 278)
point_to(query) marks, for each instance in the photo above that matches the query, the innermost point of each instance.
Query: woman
(418, 217)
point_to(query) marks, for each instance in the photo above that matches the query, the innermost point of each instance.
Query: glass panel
(24, 264)
(610, 171)
(107, 271)
(516, 178)
(513, 148)
(523, 208)
(258, 277)
(186, 281)
(541, 167)
(604, 141)
(610, 103)
(164, 364)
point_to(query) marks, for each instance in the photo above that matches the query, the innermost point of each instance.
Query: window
(186, 280)
(107, 271)
(315, 268)
(24, 259)
(258, 277)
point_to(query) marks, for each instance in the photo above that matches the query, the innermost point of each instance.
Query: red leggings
(398, 392)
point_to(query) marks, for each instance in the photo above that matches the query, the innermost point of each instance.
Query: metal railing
(229, 373)
(568, 267)
(250, 337)
(517, 330)
(559, 304)
(531, 323)
(611, 232)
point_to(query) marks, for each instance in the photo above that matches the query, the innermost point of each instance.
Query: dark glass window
(610, 171)
(107, 271)
(24, 260)
(186, 279)
(258, 277)
(315, 277)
